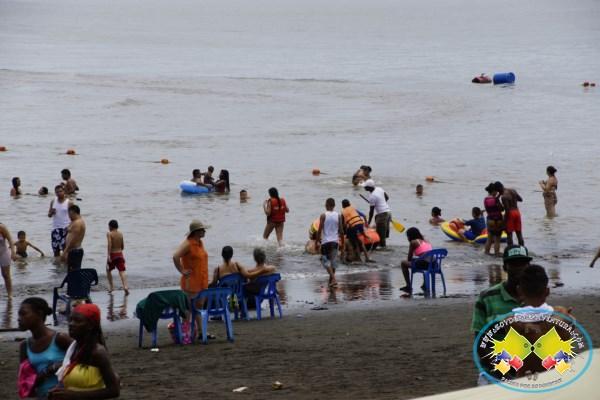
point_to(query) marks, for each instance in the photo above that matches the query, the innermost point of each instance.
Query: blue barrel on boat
(504, 78)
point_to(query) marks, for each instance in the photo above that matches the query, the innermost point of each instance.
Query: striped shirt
(492, 303)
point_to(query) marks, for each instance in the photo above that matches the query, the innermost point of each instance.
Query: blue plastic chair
(79, 284)
(236, 283)
(268, 291)
(167, 313)
(434, 266)
(216, 302)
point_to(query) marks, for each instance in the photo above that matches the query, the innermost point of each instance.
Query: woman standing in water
(549, 188)
(46, 348)
(275, 209)
(7, 255)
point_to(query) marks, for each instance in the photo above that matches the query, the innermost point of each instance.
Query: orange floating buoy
(164, 161)
(2, 148)
(430, 179)
(71, 152)
(316, 171)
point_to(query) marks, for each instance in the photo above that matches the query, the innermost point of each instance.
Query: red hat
(90, 311)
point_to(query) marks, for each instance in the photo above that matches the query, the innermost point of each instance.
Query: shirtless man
(208, 178)
(512, 215)
(69, 183)
(114, 257)
(73, 253)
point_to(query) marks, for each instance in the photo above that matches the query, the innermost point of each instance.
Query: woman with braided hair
(86, 372)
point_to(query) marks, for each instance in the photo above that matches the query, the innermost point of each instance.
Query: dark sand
(397, 350)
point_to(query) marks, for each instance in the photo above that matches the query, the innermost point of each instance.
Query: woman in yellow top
(86, 372)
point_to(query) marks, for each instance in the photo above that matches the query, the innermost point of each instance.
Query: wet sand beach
(398, 351)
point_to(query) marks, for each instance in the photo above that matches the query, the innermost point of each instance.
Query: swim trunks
(513, 220)
(470, 235)
(57, 238)
(495, 227)
(22, 253)
(329, 255)
(116, 261)
(74, 259)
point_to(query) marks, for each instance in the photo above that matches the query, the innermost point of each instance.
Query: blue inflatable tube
(504, 78)
(191, 187)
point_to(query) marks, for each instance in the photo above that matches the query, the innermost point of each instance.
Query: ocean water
(272, 89)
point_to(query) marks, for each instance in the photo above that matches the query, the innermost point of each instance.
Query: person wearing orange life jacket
(354, 225)
(275, 208)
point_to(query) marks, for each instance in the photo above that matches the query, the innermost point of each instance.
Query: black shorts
(352, 234)
(74, 259)
(328, 247)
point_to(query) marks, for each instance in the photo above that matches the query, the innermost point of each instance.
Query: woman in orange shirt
(191, 260)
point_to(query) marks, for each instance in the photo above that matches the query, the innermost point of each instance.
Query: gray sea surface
(272, 89)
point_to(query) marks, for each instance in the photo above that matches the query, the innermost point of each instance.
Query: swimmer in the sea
(22, 243)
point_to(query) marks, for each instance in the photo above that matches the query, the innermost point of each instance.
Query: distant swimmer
(43, 191)
(22, 243)
(114, 255)
(15, 191)
(59, 212)
(222, 184)
(549, 188)
(360, 176)
(436, 216)
(512, 215)
(483, 78)
(275, 208)
(419, 190)
(73, 253)
(69, 183)
(208, 177)
(244, 196)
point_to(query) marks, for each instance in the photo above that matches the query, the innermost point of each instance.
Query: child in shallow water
(21, 245)
(477, 225)
(436, 216)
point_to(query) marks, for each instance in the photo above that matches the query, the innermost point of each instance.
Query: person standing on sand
(501, 298)
(86, 371)
(7, 255)
(73, 253)
(69, 183)
(549, 188)
(16, 187)
(191, 261)
(275, 208)
(45, 349)
(378, 201)
(329, 235)
(59, 212)
(512, 215)
(114, 257)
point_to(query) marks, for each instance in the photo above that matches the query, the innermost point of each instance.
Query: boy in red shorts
(512, 215)
(115, 257)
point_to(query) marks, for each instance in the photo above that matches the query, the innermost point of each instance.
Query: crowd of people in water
(63, 364)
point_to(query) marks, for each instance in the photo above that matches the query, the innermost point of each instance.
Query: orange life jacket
(351, 217)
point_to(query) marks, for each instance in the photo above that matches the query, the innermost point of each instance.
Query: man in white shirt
(378, 201)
